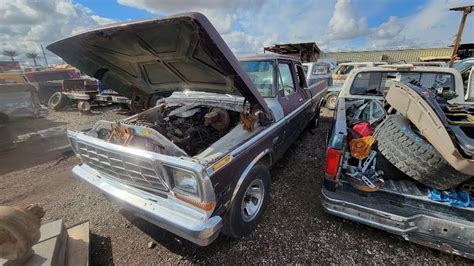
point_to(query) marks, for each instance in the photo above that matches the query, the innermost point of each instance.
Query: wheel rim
(332, 101)
(253, 199)
(55, 100)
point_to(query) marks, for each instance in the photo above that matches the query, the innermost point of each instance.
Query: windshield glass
(261, 74)
(320, 70)
(461, 66)
(375, 83)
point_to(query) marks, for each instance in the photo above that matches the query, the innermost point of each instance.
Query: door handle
(301, 99)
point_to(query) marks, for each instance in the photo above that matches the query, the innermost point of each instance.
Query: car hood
(181, 52)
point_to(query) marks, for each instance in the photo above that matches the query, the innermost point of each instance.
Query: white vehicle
(342, 71)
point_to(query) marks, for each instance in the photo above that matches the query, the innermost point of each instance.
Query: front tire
(249, 204)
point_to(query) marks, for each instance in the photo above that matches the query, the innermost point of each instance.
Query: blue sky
(249, 25)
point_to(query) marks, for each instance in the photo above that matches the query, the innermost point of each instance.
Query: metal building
(392, 56)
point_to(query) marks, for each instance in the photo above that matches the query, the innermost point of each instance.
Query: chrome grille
(134, 171)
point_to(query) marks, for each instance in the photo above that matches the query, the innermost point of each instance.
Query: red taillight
(333, 157)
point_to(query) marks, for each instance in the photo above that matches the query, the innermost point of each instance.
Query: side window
(285, 80)
(346, 70)
(300, 74)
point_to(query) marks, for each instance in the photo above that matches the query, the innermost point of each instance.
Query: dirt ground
(294, 229)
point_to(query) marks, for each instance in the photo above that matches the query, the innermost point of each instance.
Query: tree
(11, 54)
(33, 56)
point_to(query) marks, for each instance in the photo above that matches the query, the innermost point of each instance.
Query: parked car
(317, 71)
(49, 81)
(398, 192)
(84, 92)
(197, 163)
(342, 71)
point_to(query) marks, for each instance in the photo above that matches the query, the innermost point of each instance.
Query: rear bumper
(165, 213)
(429, 229)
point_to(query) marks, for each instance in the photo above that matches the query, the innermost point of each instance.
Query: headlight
(183, 180)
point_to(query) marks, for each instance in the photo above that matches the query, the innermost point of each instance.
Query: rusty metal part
(19, 230)
(362, 186)
(248, 120)
(466, 10)
(139, 102)
(217, 118)
(121, 135)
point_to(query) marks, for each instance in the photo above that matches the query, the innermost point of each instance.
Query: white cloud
(247, 26)
(25, 24)
(344, 23)
(434, 25)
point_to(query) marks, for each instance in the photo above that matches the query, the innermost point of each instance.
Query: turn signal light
(207, 206)
(333, 157)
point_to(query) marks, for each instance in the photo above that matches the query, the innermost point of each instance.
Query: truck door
(290, 98)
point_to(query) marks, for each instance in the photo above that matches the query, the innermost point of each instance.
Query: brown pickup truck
(198, 162)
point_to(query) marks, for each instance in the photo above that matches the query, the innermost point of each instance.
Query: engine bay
(192, 128)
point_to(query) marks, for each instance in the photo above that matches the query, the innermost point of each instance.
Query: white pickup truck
(400, 202)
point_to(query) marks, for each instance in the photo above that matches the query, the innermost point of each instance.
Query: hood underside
(182, 52)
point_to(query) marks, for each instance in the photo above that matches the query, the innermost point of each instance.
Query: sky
(247, 25)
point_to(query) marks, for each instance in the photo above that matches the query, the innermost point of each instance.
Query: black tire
(235, 224)
(331, 100)
(58, 101)
(84, 106)
(414, 156)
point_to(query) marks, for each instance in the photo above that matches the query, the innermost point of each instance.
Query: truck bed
(403, 208)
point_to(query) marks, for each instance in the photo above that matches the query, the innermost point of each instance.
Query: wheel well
(266, 160)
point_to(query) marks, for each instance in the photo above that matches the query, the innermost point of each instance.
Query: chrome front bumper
(167, 213)
(430, 229)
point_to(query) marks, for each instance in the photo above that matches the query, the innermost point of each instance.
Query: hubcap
(253, 199)
(332, 101)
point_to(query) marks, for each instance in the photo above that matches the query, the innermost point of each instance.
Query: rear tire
(246, 211)
(58, 101)
(414, 156)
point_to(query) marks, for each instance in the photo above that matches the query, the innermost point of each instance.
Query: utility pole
(44, 56)
(466, 10)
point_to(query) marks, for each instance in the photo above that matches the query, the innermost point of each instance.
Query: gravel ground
(294, 228)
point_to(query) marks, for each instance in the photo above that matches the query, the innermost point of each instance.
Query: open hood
(182, 52)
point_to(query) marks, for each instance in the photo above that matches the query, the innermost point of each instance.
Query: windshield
(461, 66)
(375, 83)
(261, 74)
(320, 70)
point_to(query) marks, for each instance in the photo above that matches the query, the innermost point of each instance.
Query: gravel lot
(294, 228)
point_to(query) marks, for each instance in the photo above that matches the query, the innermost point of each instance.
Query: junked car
(342, 71)
(84, 92)
(317, 71)
(198, 162)
(400, 137)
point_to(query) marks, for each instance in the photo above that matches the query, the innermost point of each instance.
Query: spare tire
(413, 155)
(58, 101)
